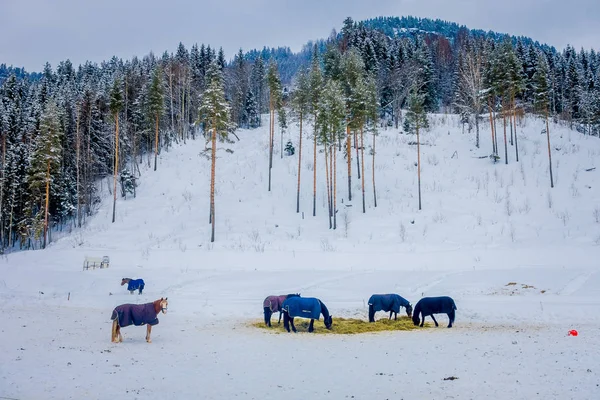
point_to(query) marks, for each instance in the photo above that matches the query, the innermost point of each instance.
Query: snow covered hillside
(519, 258)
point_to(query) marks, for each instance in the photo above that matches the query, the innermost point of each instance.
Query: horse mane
(157, 306)
(324, 310)
(416, 312)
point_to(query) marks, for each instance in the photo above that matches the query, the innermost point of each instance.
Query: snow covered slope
(520, 260)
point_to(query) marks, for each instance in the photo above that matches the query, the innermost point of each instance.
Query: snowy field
(521, 261)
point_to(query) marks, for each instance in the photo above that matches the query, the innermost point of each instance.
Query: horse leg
(311, 325)
(293, 326)
(279, 321)
(131, 292)
(113, 331)
(395, 316)
(286, 322)
(371, 313)
(148, 330)
(451, 316)
(390, 318)
(423, 320)
(433, 318)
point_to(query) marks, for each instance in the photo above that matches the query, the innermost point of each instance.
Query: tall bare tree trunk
(47, 202)
(315, 170)
(171, 97)
(213, 152)
(505, 141)
(334, 189)
(357, 157)
(328, 187)
(477, 130)
(77, 146)
(362, 161)
(373, 167)
(349, 155)
(299, 166)
(418, 162)
(494, 149)
(116, 167)
(514, 118)
(156, 142)
(271, 134)
(2, 190)
(549, 149)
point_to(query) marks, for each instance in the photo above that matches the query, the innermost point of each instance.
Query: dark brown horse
(273, 304)
(137, 314)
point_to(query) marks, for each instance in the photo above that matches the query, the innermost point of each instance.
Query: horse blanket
(387, 302)
(303, 307)
(274, 303)
(135, 284)
(135, 314)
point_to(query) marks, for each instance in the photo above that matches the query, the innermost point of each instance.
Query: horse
(434, 305)
(273, 304)
(133, 284)
(137, 314)
(304, 307)
(388, 302)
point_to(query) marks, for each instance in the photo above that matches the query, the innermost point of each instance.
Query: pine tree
(275, 104)
(353, 71)
(542, 98)
(156, 106)
(116, 104)
(45, 161)
(331, 125)
(315, 82)
(215, 113)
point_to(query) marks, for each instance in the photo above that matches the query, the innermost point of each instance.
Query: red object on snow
(573, 332)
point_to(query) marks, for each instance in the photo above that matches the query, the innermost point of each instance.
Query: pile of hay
(345, 326)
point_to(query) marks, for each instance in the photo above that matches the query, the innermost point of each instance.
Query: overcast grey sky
(35, 31)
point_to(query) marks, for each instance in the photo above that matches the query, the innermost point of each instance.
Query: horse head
(409, 310)
(164, 304)
(328, 322)
(416, 319)
(124, 281)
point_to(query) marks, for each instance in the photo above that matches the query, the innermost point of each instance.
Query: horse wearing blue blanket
(304, 307)
(138, 315)
(434, 305)
(133, 284)
(388, 302)
(273, 304)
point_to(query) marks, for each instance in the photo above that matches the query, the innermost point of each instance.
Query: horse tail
(454, 305)
(114, 315)
(141, 285)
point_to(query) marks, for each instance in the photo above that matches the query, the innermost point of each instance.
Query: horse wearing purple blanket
(304, 307)
(273, 304)
(434, 305)
(137, 314)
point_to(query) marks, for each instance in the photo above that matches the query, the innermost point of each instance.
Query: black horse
(273, 304)
(428, 306)
(304, 307)
(388, 302)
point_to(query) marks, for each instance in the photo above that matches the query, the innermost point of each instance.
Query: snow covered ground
(520, 260)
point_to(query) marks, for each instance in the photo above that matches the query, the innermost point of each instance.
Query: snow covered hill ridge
(469, 202)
